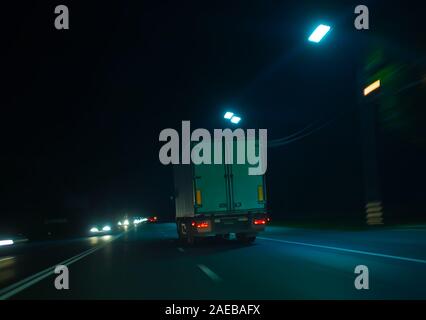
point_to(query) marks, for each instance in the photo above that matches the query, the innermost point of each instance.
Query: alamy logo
(62, 20)
(62, 280)
(226, 146)
(362, 280)
(362, 20)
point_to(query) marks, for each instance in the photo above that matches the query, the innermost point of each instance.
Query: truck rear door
(211, 189)
(247, 191)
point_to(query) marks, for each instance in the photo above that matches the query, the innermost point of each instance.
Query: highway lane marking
(382, 255)
(211, 274)
(181, 249)
(411, 229)
(5, 259)
(19, 286)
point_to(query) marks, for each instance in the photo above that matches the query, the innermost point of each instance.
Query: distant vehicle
(123, 224)
(152, 219)
(130, 221)
(8, 239)
(217, 200)
(101, 228)
(6, 242)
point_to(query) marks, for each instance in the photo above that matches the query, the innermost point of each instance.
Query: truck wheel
(190, 239)
(180, 235)
(182, 232)
(223, 237)
(245, 238)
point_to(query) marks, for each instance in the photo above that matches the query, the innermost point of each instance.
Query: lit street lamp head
(319, 33)
(235, 119)
(228, 115)
(375, 85)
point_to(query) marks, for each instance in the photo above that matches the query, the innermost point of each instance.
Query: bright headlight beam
(106, 228)
(319, 33)
(6, 242)
(94, 229)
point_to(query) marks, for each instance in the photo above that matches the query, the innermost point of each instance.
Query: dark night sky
(82, 109)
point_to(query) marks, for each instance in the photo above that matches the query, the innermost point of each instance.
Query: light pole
(368, 110)
(368, 113)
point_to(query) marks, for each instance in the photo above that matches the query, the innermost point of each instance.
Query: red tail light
(204, 224)
(259, 221)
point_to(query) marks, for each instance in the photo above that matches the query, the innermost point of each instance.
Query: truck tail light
(259, 221)
(200, 225)
(203, 225)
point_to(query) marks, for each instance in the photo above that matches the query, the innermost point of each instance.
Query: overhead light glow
(235, 119)
(228, 115)
(319, 33)
(126, 222)
(6, 242)
(375, 85)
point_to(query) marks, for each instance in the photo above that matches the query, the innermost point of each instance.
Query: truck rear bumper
(205, 226)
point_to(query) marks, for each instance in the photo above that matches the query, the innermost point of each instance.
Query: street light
(228, 115)
(375, 85)
(232, 117)
(235, 119)
(373, 207)
(319, 33)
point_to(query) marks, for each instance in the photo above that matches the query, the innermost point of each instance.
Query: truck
(219, 200)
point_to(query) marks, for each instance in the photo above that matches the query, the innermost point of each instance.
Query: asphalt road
(283, 263)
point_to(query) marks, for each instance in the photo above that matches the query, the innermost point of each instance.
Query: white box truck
(219, 200)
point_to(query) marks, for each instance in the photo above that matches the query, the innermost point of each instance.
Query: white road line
(19, 286)
(209, 273)
(181, 249)
(382, 255)
(5, 259)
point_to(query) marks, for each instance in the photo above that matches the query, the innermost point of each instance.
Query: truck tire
(245, 238)
(190, 240)
(223, 237)
(181, 237)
